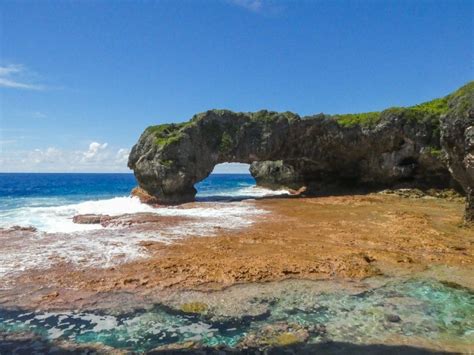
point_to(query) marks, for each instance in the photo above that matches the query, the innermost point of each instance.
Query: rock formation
(457, 139)
(370, 150)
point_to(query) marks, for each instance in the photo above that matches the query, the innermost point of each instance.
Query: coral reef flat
(391, 268)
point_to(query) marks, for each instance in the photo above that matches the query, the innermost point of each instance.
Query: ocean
(49, 202)
(41, 200)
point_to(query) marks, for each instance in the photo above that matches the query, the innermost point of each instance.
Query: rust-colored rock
(350, 237)
(144, 196)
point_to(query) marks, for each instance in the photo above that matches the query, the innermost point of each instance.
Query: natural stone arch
(374, 149)
(319, 151)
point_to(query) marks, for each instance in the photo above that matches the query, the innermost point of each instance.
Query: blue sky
(80, 80)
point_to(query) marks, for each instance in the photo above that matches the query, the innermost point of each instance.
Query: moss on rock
(367, 119)
(285, 339)
(167, 133)
(194, 307)
(429, 111)
(226, 143)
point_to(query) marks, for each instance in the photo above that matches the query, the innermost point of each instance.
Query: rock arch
(284, 150)
(376, 149)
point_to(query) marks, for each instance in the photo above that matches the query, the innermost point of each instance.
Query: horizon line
(96, 172)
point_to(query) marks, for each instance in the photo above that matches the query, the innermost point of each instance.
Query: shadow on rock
(321, 348)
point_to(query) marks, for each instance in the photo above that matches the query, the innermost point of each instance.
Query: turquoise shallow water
(421, 308)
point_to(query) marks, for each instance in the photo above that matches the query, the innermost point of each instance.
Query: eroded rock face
(457, 138)
(276, 174)
(396, 146)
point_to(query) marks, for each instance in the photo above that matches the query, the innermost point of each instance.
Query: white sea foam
(59, 239)
(58, 219)
(245, 191)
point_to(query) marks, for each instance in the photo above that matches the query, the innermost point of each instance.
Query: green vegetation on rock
(167, 133)
(433, 107)
(429, 111)
(436, 152)
(284, 339)
(367, 119)
(166, 162)
(226, 143)
(194, 307)
(464, 97)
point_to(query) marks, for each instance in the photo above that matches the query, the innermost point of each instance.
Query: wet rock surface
(280, 334)
(121, 220)
(301, 315)
(349, 237)
(14, 229)
(90, 219)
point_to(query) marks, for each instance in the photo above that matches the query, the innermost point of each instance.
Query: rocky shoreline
(311, 246)
(355, 237)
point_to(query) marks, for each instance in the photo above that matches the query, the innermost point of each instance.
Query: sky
(80, 80)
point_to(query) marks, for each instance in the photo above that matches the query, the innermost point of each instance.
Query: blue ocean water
(54, 189)
(49, 201)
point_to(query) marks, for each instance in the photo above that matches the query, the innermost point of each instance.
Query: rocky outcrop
(275, 174)
(123, 220)
(372, 150)
(90, 218)
(457, 139)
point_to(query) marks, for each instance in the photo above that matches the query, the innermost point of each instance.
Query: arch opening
(227, 181)
(232, 182)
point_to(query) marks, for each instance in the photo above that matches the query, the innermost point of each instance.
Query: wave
(61, 240)
(244, 191)
(58, 219)
(54, 215)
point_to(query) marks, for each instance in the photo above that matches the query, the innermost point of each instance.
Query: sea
(48, 202)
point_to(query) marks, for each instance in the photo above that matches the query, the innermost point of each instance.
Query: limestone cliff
(457, 139)
(377, 149)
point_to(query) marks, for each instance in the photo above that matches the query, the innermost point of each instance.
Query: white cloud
(38, 114)
(251, 5)
(258, 6)
(96, 152)
(122, 155)
(231, 168)
(50, 155)
(98, 157)
(15, 76)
